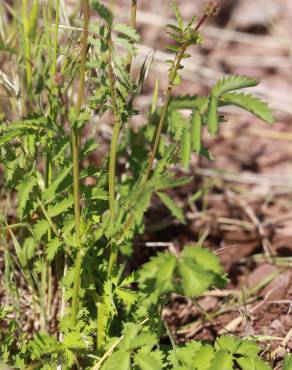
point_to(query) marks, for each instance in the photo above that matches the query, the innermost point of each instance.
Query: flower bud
(211, 7)
(59, 79)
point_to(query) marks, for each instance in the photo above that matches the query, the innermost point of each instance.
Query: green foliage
(288, 362)
(63, 257)
(103, 11)
(171, 205)
(228, 353)
(250, 103)
(196, 268)
(231, 83)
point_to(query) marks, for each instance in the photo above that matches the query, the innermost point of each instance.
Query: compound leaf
(103, 12)
(147, 362)
(222, 360)
(230, 83)
(250, 103)
(172, 206)
(212, 118)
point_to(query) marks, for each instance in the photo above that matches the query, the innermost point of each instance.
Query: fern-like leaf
(212, 118)
(127, 31)
(250, 103)
(196, 131)
(24, 189)
(103, 12)
(230, 83)
(172, 206)
(186, 148)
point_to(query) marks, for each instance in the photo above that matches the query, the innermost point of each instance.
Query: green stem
(113, 153)
(56, 35)
(75, 159)
(164, 110)
(100, 335)
(133, 25)
(167, 97)
(47, 271)
(27, 48)
(116, 132)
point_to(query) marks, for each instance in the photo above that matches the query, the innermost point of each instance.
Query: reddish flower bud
(59, 79)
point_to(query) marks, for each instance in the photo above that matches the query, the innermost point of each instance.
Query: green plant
(71, 234)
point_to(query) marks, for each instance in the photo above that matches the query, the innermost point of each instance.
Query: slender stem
(172, 77)
(56, 34)
(164, 110)
(133, 20)
(167, 98)
(46, 282)
(43, 292)
(116, 132)
(113, 154)
(27, 48)
(100, 335)
(110, 350)
(75, 159)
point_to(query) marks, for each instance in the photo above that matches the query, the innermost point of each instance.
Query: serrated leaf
(60, 207)
(52, 248)
(247, 348)
(89, 147)
(29, 248)
(203, 257)
(196, 131)
(5, 138)
(127, 31)
(185, 354)
(177, 123)
(120, 359)
(142, 340)
(24, 189)
(212, 117)
(41, 228)
(252, 363)
(230, 83)
(203, 358)
(250, 103)
(195, 279)
(128, 296)
(172, 206)
(199, 269)
(42, 344)
(186, 148)
(77, 340)
(222, 360)
(103, 12)
(155, 277)
(147, 362)
(178, 15)
(50, 193)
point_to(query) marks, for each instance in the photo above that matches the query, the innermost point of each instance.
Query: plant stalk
(167, 98)
(133, 20)
(113, 152)
(75, 158)
(56, 35)
(27, 48)
(116, 132)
